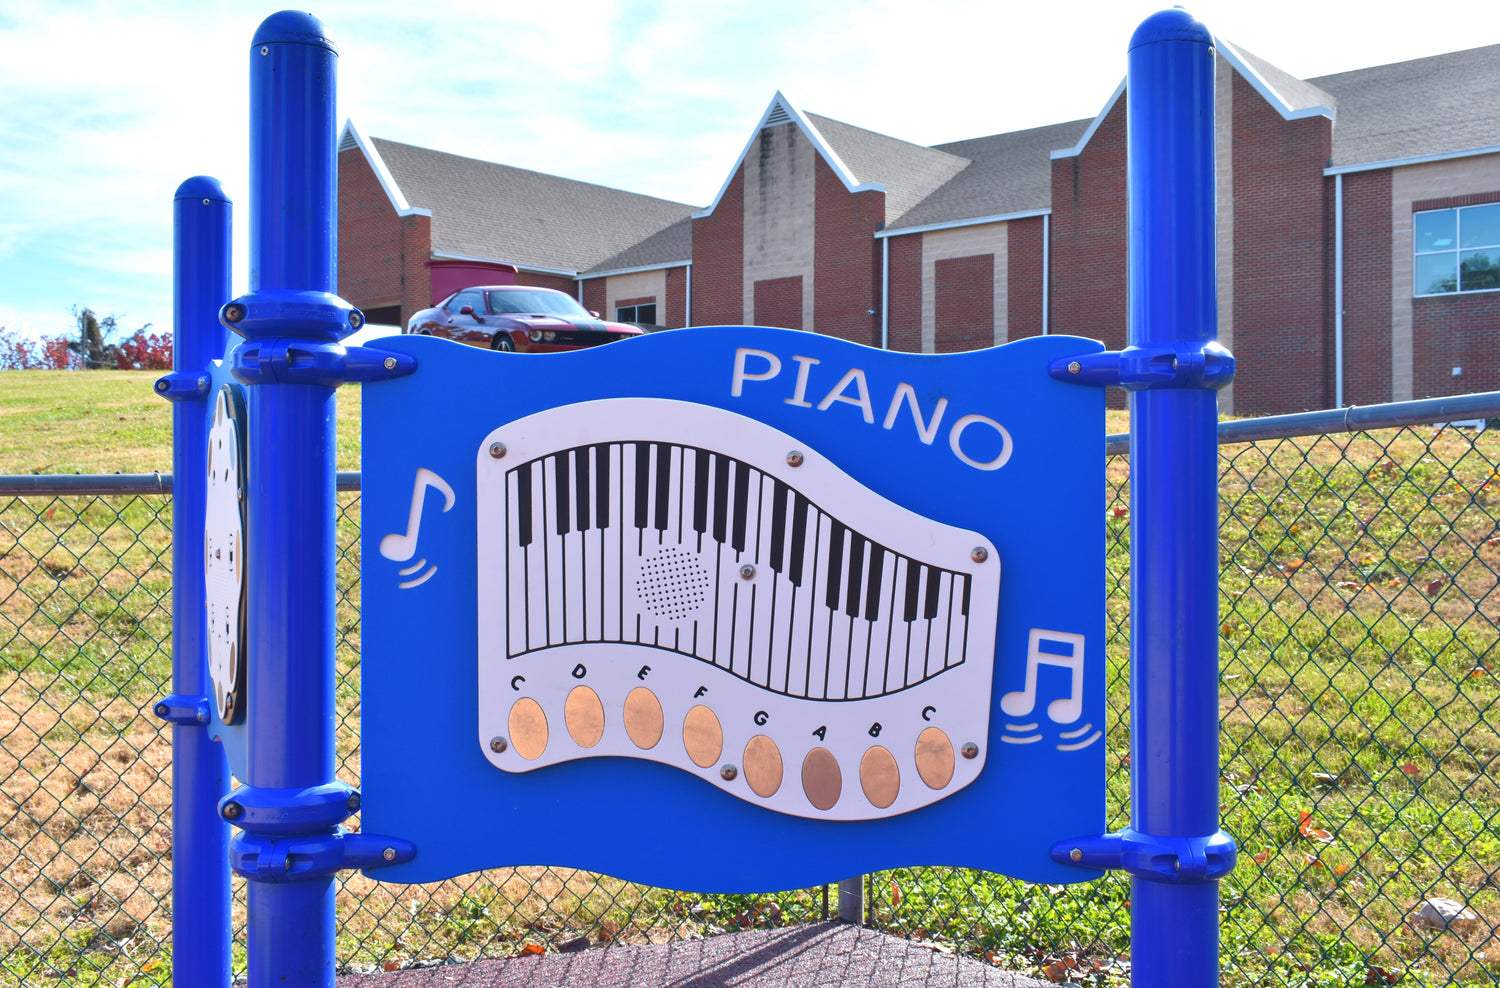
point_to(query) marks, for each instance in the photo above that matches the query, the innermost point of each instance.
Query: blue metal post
(201, 215)
(1174, 478)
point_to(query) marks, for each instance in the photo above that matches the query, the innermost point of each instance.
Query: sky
(105, 107)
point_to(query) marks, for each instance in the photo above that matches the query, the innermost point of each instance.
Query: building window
(644, 312)
(1457, 250)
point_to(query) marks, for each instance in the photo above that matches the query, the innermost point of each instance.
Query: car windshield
(521, 300)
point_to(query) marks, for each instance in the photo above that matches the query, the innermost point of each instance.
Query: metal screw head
(162, 710)
(979, 554)
(233, 811)
(794, 458)
(1074, 367)
(389, 363)
(747, 572)
(162, 385)
(389, 854)
(205, 202)
(264, 50)
(234, 313)
(497, 450)
(728, 772)
(288, 863)
(356, 318)
(497, 745)
(1076, 854)
(970, 750)
(353, 803)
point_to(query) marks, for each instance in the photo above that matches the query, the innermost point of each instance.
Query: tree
(96, 346)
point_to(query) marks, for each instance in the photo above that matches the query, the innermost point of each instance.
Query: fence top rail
(58, 485)
(1355, 418)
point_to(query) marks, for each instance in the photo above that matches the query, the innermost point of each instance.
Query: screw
(497, 745)
(356, 318)
(497, 450)
(1074, 367)
(747, 572)
(1176, 864)
(234, 313)
(265, 51)
(389, 854)
(390, 363)
(794, 458)
(162, 385)
(979, 554)
(728, 772)
(205, 202)
(970, 750)
(353, 802)
(288, 864)
(233, 811)
(1076, 854)
(162, 710)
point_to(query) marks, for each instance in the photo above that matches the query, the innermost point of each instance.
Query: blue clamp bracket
(1177, 860)
(189, 711)
(281, 312)
(182, 386)
(298, 360)
(1207, 367)
(290, 835)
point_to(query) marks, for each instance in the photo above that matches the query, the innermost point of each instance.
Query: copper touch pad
(762, 766)
(821, 779)
(880, 777)
(585, 716)
(702, 736)
(528, 728)
(934, 758)
(643, 720)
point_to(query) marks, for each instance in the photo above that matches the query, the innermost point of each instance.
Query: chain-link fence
(1359, 746)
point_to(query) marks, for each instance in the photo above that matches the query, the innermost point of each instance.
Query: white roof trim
(1420, 159)
(829, 155)
(665, 265)
(382, 173)
(1267, 91)
(448, 256)
(955, 224)
(1077, 149)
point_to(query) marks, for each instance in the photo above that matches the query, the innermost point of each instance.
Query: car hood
(528, 323)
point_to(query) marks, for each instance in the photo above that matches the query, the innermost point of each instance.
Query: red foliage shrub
(145, 351)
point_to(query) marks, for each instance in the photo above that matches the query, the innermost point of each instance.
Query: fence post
(201, 217)
(1174, 499)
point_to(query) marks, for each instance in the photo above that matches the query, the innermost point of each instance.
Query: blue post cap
(202, 187)
(1170, 25)
(293, 27)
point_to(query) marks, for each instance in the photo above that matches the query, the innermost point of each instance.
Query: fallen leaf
(1263, 857)
(1411, 769)
(1306, 829)
(1291, 565)
(1433, 586)
(1369, 560)
(1341, 870)
(392, 965)
(1380, 976)
(1393, 582)
(1348, 584)
(1312, 859)
(1492, 541)
(1479, 671)
(895, 893)
(531, 950)
(1119, 512)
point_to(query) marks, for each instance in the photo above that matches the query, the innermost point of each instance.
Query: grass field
(1359, 701)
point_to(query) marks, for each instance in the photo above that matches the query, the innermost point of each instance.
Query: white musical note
(397, 547)
(1070, 707)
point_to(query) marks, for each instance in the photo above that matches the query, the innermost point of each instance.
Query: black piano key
(721, 498)
(642, 484)
(700, 491)
(913, 584)
(663, 484)
(835, 563)
(872, 591)
(799, 538)
(856, 568)
(581, 479)
(601, 485)
(963, 608)
(778, 526)
(523, 502)
(564, 515)
(934, 580)
(741, 503)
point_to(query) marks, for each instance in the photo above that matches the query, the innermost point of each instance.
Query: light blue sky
(108, 106)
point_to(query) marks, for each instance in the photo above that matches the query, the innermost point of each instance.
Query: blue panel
(425, 776)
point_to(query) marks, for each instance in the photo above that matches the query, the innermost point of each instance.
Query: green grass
(1359, 747)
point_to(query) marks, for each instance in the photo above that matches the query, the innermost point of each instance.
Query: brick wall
(1088, 284)
(964, 302)
(778, 302)
(560, 282)
(1024, 276)
(674, 311)
(904, 327)
(1367, 287)
(1451, 331)
(1282, 341)
(846, 259)
(381, 255)
(719, 259)
(594, 297)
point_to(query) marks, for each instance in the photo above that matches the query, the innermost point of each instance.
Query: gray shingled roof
(674, 245)
(909, 172)
(1298, 94)
(483, 209)
(1426, 106)
(1009, 173)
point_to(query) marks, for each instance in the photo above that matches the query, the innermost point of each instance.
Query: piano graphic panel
(683, 584)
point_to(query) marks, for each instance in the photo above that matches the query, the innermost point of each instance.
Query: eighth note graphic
(398, 548)
(1052, 648)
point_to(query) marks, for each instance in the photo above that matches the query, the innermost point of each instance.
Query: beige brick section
(965, 241)
(780, 182)
(1224, 212)
(638, 285)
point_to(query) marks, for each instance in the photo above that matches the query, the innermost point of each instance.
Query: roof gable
(909, 172)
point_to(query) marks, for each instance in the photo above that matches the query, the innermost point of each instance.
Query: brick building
(1358, 232)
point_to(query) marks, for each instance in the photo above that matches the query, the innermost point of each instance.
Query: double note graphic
(399, 547)
(1051, 648)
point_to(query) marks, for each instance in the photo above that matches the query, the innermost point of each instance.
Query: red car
(517, 318)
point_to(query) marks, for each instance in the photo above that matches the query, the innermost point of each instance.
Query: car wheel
(502, 343)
